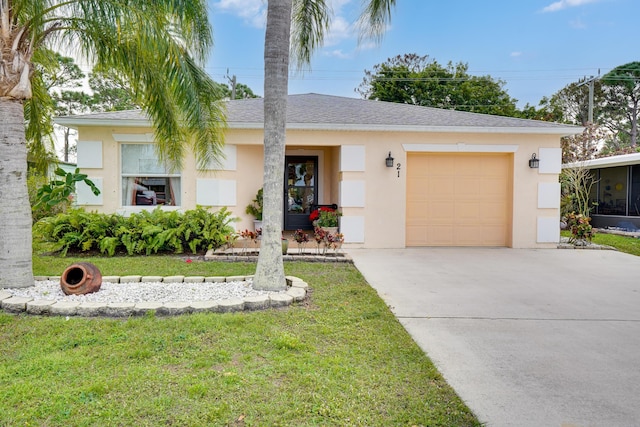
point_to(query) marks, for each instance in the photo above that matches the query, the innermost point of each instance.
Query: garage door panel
(432, 167)
(467, 211)
(440, 235)
(438, 185)
(466, 187)
(416, 234)
(440, 211)
(458, 199)
(494, 236)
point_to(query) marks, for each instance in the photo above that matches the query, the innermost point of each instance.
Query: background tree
(242, 91)
(419, 80)
(158, 46)
(67, 103)
(63, 84)
(111, 91)
(311, 20)
(547, 111)
(584, 146)
(621, 88)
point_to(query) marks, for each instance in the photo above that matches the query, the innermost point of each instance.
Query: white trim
(84, 195)
(133, 137)
(550, 160)
(352, 194)
(128, 210)
(548, 229)
(622, 160)
(216, 192)
(548, 195)
(228, 162)
(89, 154)
(460, 147)
(551, 129)
(352, 227)
(75, 123)
(352, 158)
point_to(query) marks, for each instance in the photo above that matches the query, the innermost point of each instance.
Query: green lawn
(625, 244)
(339, 359)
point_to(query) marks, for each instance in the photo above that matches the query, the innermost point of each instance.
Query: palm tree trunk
(270, 269)
(15, 211)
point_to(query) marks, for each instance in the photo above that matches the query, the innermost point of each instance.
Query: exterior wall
(378, 216)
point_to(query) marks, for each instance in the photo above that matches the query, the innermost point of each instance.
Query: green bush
(147, 232)
(39, 211)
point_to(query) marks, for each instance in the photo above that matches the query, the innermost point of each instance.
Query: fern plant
(147, 232)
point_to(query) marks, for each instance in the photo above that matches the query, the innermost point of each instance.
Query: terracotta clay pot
(80, 278)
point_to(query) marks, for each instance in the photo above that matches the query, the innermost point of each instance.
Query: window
(612, 194)
(145, 181)
(634, 200)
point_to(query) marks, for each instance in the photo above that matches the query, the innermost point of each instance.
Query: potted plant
(325, 217)
(328, 220)
(255, 209)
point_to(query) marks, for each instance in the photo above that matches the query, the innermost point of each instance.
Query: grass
(339, 359)
(625, 244)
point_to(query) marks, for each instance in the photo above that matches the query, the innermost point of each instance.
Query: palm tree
(310, 19)
(158, 46)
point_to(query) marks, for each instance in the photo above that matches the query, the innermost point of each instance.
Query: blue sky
(536, 46)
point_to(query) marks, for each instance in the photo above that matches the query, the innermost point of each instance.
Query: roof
(608, 162)
(327, 112)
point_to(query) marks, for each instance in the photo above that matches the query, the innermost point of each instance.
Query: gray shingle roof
(314, 111)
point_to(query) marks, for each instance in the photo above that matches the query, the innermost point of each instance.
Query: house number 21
(398, 169)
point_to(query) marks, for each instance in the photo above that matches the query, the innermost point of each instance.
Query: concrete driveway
(526, 337)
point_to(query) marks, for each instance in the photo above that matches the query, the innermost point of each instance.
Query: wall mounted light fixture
(534, 162)
(389, 160)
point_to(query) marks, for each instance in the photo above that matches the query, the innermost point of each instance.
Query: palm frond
(311, 19)
(374, 19)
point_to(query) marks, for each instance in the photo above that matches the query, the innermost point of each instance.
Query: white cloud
(563, 4)
(253, 12)
(340, 31)
(337, 53)
(515, 54)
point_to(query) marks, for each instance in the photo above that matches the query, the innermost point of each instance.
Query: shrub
(580, 227)
(39, 211)
(146, 232)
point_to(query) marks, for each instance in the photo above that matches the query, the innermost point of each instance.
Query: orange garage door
(459, 199)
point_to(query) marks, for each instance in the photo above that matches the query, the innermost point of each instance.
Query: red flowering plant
(249, 236)
(316, 213)
(325, 240)
(325, 217)
(301, 238)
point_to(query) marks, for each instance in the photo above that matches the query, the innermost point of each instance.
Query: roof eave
(613, 161)
(552, 130)
(75, 123)
(562, 130)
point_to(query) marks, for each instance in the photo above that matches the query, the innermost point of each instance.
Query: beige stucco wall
(385, 203)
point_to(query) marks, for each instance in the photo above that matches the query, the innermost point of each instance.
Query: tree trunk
(270, 269)
(15, 211)
(634, 123)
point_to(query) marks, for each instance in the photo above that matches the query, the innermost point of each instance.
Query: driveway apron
(526, 337)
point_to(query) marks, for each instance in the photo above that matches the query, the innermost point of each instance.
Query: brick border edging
(238, 255)
(296, 292)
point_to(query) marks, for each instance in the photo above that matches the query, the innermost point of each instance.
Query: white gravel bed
(143, 292)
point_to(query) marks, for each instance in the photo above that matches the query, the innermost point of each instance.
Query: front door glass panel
(301, 191)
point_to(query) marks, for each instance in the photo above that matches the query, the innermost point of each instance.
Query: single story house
(402, 175)
(616, 191)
